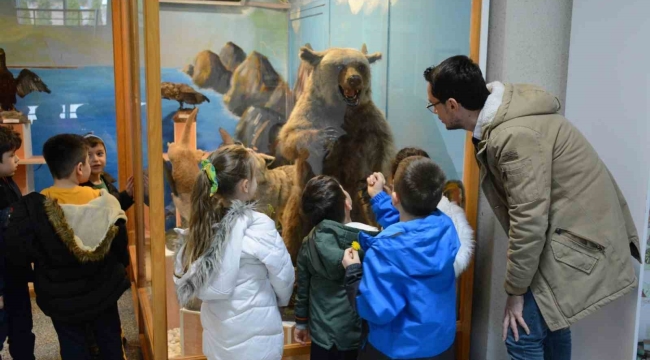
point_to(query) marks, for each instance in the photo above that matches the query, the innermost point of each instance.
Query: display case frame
(152, 309)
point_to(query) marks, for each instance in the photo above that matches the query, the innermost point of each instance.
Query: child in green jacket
(323, 311)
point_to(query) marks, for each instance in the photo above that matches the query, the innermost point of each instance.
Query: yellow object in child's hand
(356, 246)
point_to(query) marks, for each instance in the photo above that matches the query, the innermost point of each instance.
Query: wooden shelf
(242, 3)
(32, 160)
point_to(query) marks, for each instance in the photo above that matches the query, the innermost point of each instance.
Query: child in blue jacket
(406, 288)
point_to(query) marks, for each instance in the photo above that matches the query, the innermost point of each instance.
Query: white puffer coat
(240, 314)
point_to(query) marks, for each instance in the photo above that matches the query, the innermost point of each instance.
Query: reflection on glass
(338, 91)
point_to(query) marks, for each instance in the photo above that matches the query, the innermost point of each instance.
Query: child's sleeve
(379, 299)
(353, 274)
(384, 210)
(18, 236)
(126, 201)
(120, 244)
(302, 295)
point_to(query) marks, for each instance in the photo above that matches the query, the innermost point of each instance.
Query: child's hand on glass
(301, 335)
(376, 183)
(350, 256)
(129, 186)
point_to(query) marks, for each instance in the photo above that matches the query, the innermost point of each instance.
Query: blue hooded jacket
(407, 292)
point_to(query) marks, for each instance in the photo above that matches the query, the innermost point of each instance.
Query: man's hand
(301, 335)
(376, 183)
(350, 256)
(2, 302)
(514, 316)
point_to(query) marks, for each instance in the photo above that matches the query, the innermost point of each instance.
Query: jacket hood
(408, 246)
(87, 243)
(328, 241)
(521, 100)
(221, 260)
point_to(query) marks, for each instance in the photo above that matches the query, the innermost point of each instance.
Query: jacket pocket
(574, 251)
(577, 271)
(519, 181)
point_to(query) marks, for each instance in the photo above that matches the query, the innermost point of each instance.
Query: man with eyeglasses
(571, 235)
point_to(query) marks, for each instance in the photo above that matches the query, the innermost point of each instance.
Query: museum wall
(528, 42)
(73, 55)
(607, 99)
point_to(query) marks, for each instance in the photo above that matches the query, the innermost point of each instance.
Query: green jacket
(571, 235)
(321, 300)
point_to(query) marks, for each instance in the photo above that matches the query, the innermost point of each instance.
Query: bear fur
(335, 128)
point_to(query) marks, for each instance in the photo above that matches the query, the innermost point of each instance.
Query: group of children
(74, 235)
(362, 293)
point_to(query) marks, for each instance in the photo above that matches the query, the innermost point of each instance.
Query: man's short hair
(419, 183)
(63, 153)
(460, 78)
(403, 154)
(323, 199)
(9, 140)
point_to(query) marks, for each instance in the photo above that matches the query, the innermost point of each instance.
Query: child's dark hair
(419, 183)
(9, 140)
(232, 164)
(403, 154)
(323, 199)
(94, 140)
(63, 153)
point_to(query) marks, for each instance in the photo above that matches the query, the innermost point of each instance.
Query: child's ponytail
(214, 186)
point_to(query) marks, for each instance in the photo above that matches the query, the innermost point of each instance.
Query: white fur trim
(465, 234)
(490, 108)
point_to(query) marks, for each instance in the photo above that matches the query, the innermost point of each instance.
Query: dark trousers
(18, 308)
(320, 353)
(106, 330)
(542, 343)
(369, 352)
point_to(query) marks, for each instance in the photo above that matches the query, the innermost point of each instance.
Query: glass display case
(200, 74)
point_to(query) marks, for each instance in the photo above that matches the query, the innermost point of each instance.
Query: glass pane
(220, 65)
(251, 77)
(61, 52)
(144, 252)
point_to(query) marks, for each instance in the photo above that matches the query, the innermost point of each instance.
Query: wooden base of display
(13, 117)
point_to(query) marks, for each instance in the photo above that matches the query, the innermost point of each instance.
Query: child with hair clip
(234, 260)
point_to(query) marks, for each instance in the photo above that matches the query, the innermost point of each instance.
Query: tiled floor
(47, 344)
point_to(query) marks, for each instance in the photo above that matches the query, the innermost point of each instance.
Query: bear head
(340, 76)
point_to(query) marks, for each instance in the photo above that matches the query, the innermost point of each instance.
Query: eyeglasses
(432, 107)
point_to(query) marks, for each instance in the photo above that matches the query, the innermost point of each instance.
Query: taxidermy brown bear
(338, 125)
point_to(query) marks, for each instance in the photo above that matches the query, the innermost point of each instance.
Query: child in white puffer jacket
(234, 260)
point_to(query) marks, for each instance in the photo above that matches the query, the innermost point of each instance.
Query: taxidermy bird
(182, 93)
(26, 82)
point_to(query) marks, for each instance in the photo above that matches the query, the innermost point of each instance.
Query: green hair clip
(211, 172)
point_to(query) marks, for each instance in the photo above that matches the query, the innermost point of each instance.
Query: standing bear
(336, 129)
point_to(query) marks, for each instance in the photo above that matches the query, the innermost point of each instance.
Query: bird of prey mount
(182, 93)
(26, 82)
